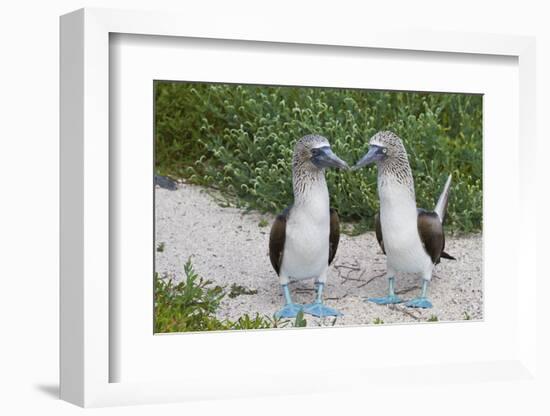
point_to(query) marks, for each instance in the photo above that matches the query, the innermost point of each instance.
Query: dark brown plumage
(378, 231)
(278, 234)
(334, 236)
(431, 234)
(277, 238)
(430, 230)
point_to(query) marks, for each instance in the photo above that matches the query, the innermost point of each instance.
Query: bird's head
(314, 152)
(384, 147)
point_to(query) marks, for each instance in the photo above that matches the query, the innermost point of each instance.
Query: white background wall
(29, 56)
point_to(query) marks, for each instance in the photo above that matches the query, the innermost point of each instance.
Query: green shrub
(191, 305)
(239, 139)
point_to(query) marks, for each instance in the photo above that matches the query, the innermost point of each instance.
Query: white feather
(307, 235)
(442, 201)
(398, 218)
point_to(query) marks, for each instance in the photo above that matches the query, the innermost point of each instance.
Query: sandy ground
(229, 247)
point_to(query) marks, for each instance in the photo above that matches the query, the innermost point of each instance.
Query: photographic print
(285, 207)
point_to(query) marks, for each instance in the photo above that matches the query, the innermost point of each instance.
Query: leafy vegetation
(300, 321)
(238, 290)
(239, 139)
(191, 305)
(263, 223)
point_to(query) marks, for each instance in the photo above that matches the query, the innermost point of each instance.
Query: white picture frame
(86, 353)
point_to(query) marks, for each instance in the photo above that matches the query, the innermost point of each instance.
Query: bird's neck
(310, 188)
(395, 176)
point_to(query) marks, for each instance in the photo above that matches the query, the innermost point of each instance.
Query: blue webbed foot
(421, 302)
(387, 300)
(320, 310)
(290, 310)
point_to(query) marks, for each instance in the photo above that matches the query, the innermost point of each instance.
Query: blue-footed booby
(412, 238)
(304, 237)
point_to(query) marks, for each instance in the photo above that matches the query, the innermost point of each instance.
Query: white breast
(398, 218)
(307, 236)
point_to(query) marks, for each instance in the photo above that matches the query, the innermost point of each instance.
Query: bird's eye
(384, 150)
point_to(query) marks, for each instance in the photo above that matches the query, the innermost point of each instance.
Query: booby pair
(412, 238)
(304, 238)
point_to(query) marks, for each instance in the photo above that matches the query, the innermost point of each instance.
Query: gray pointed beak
(375, 154)
(324, 157)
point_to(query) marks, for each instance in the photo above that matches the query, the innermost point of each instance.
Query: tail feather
(441, 206)
(447, 256)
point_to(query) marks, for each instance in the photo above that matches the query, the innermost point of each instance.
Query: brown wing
(378, 231)
(334, 236)
(277, 240)
(431, 234)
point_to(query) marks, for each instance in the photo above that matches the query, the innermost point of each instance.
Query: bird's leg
(318, 308)
(392, 298)
(291, 309)
(421, 301)
(319, 297)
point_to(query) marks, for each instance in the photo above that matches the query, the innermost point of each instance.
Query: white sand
(229, 246)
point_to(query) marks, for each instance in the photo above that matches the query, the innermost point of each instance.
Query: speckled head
(313, 152)
(384, 147)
